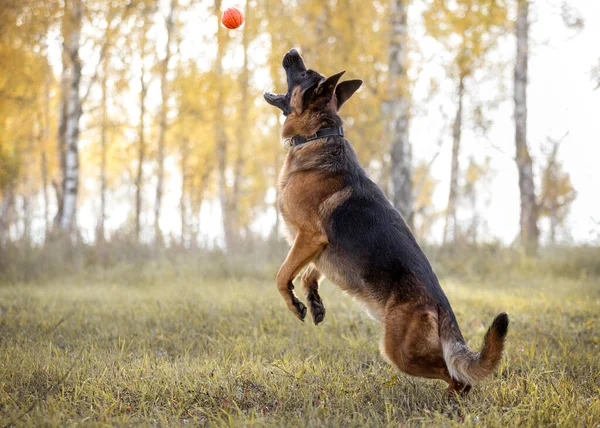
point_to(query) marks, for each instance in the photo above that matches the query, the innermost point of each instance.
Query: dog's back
(366, 232)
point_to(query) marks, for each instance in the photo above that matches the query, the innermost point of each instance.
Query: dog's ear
(307, 96)
(326, 88)
(280, 101)
(345, 90)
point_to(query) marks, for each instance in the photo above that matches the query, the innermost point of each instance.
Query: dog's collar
(298, 140)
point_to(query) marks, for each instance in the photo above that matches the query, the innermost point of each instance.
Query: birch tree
(44, 139)
(70, 172)
(100, 233)
(162, 121)
(73, 99)
(141, 146)
(399, 109)
(61, 138)
(450, 227)
(529, 232)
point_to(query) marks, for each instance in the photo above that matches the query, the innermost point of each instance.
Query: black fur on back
(370, 233)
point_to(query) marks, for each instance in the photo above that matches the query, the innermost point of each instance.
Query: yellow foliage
(467, 28)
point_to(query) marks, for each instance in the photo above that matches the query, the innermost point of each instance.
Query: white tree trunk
(199, 191)
(141, 159)
(141, 142)
(71, 168)
(44, 137)
(26, 178)
(162, 123)
(62, 128)
(450, 228)
(185, 153)
(100, 233)
(528, 217)
(399, 109)
(277, 213)
(6, 209)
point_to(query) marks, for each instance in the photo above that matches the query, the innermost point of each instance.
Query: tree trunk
(26, 233)
(62, 118)
(399, 107)
(277, 213)
(162, 125)
(44, 174)
(451, 226)
(528, 217)
(553, 224)
(71, 170)
(551, 194)
(185, 152)
(44, 136)
(27, 186)
(100, 233)
(6, 209)
(221, 141)
(199, 192)
(141, 142)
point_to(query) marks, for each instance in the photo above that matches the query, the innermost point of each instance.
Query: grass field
(158, 346)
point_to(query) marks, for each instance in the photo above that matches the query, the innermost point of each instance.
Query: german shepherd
(341, 226)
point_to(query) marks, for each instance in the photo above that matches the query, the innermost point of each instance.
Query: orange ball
(232, 18)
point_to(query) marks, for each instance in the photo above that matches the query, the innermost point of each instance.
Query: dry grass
(155, 347)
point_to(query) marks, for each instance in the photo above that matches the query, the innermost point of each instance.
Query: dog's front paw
(317, 309)
(298, 308)
(293, 303)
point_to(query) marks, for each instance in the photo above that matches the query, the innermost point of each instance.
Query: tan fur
(303, 121)
(310, 279)
(301, 193)
(306, 247)
(411, 341)
(333, 201)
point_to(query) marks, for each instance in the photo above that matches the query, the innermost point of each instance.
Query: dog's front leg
(306, 248)
(310, 285)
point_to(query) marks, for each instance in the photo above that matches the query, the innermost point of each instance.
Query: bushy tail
(466, 365)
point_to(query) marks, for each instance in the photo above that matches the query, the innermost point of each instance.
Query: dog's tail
(464, 364)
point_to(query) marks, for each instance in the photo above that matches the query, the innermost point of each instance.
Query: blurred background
(135, 130)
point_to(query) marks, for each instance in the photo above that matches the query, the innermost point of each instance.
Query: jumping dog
(340, 224)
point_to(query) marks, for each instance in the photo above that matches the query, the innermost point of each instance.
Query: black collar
(298, 140)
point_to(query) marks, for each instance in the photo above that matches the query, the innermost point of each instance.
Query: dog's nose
(292, 57)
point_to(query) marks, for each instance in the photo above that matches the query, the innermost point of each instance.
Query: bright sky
(561, 100)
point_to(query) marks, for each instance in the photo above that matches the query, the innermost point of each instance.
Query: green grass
(156, 347)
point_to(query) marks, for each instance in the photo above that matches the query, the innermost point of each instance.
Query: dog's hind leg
(310, 284)
(411, 342)
(306, 247)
